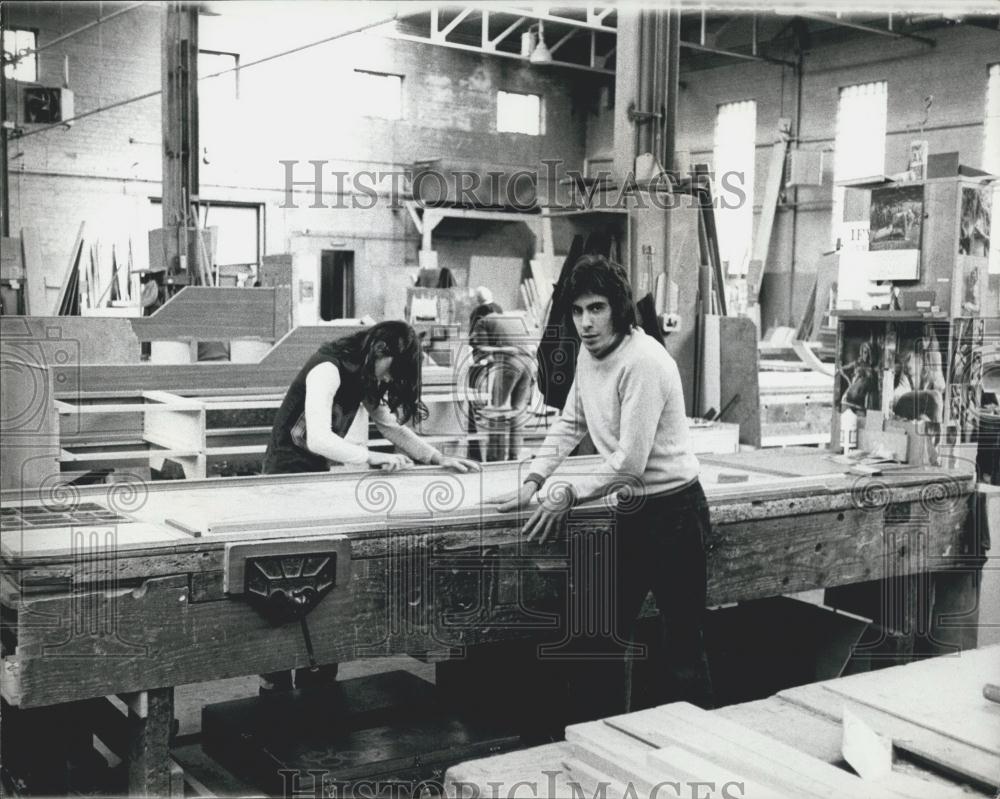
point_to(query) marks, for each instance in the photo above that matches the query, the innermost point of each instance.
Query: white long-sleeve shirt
(632, 403)
(321, 387)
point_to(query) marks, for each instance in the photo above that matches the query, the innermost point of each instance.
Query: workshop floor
(204, 775)
(189, 699)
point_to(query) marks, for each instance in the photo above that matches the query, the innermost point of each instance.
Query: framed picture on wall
(896, 218)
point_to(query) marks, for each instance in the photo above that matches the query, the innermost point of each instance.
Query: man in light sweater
(627, 395)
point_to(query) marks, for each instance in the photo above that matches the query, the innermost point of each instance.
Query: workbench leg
(954, 617)
(151, 715)
(953, 623)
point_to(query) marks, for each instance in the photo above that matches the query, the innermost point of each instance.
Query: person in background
(500, 349)
(627, 395)
(483, 305)
(483, 299)
(379, 369)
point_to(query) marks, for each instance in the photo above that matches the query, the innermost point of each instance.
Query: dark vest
(284, 455)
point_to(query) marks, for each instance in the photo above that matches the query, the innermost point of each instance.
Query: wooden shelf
(67, 456)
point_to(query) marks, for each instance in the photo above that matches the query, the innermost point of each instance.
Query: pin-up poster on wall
(969, 293)
(974, 225)
(897, 215)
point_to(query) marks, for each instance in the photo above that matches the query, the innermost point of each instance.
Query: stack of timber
(803, 742)
(100, 279)
(536, 290)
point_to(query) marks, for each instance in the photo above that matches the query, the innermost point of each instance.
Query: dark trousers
(656, 544)
(512, 382)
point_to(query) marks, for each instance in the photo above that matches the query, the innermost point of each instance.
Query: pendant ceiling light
(541, 54)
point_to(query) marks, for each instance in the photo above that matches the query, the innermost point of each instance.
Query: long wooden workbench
(133, 588)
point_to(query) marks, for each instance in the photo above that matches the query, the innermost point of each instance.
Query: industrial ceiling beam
(563, 40)
(454, 23)
(594, 23)
(517, 18)
(733, 54)
(859, 26)
(504, 33)
(472, 48)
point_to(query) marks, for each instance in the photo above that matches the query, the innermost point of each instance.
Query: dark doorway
(336, 285)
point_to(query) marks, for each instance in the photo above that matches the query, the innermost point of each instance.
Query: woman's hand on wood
(389, 462)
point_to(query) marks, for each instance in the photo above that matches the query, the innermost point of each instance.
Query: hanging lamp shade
(541, 54)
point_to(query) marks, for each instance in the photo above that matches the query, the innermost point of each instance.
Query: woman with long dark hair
(378, 369)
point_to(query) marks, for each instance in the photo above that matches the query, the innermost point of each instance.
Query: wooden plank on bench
(937, 751)
(942, 694)
(758, 756)
(615, 753)
(708, 772)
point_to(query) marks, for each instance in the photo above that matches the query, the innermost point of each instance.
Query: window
(238, 241)
(377, 94)
(859, 146)
(218, 120)
(991, 159)
(238, 238)
(734, 157)
(211, 62)
(991, 138)
(18, 40)
(519, 113)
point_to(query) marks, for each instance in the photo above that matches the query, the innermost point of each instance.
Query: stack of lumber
(536, 289)
(801, 743)
(99, 279)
